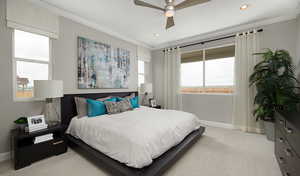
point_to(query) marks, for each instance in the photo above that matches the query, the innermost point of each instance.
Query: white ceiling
(122, 17)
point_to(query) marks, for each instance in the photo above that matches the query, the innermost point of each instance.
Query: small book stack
(36, 128)
(43, 138)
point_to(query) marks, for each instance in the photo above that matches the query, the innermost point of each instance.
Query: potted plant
(21, 123)
(275, 83)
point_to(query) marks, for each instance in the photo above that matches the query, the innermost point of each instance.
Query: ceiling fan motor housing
(169, 9)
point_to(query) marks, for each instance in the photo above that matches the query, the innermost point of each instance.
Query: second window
(208, 70)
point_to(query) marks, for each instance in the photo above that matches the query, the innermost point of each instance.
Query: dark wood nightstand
(156, 107)
(25, 152)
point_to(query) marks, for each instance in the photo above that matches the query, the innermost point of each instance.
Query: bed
(144, 159)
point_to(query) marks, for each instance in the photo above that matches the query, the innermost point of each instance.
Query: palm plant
(275, 83)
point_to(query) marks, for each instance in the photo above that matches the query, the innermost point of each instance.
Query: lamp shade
(146, 87)
(48, 89)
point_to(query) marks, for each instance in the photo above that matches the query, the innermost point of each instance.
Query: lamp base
(53, 123)
(145, 101)
(50, 113)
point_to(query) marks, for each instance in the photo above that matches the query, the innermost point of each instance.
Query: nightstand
(25, 152)
(156, 107)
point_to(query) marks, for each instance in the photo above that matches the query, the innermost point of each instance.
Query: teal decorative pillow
(120, 99)
(97, 108)
(135, 102)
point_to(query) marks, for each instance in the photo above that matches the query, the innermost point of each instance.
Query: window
(208, 71)
(141, 72)
(31, 62)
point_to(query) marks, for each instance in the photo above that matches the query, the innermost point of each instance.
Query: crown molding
(67, 14)
(227, 31)
(224, 31)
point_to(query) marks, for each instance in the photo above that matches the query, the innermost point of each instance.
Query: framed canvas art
(101, 67)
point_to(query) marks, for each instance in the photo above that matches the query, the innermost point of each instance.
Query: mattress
(135, 137)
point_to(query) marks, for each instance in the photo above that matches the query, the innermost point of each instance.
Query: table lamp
(48, 90)
(146, 89)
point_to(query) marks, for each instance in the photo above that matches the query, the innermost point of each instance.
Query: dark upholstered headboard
(68, 106)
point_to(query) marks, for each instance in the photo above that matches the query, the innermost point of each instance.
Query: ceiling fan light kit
(171, 8)
(170, 11)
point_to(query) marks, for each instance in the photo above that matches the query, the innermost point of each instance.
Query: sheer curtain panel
(246, 45)
(172, 64)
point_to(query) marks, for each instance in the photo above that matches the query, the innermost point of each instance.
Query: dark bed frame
(159, 165)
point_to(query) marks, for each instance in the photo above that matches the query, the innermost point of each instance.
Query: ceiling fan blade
(189, 3)
(170, 22)
(145, 4)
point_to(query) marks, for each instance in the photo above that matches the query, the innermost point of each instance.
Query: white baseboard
(217, 124)
(4, 156)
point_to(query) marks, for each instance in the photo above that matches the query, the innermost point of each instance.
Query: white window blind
(144, 54)
(26, 16)
(208, 70)
(141, 72)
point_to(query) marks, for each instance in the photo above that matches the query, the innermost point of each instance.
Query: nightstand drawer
(27, 155)
(58, 146)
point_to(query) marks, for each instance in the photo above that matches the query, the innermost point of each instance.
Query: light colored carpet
(219, 152)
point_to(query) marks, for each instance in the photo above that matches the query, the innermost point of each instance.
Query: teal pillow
(135, 102)
(119, 99)
(97, 108)
(113, 99)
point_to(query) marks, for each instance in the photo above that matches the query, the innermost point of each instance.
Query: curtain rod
(212, 40)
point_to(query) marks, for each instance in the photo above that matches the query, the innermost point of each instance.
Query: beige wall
(9, 110)
(218, 108)
(281, 36)
(298, 46)
(64, 54)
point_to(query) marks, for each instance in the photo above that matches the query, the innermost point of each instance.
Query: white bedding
(135, 137)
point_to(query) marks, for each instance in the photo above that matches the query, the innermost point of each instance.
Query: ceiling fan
(170, 8)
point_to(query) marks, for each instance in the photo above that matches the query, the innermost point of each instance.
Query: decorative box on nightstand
(26, 152)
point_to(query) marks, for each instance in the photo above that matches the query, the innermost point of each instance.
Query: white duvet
(135, 137)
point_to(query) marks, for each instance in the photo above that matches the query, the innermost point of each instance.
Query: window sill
(27, 100)
(226, 94)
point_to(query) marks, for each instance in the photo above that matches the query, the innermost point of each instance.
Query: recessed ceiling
(140, 24)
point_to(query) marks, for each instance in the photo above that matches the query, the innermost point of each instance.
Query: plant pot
(269, 128)
(21, 126)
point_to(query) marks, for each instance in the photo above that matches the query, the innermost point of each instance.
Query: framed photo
(152, 102)
(36, 123)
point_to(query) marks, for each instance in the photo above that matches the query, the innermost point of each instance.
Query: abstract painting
(101, 67)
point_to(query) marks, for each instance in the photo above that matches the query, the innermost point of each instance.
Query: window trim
(217, 94)
(207, 48)
(204, 55)
(143, 74)
(14, 70)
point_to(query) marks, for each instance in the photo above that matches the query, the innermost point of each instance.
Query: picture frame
(152, 102)
(36, 123)
(101, 66)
